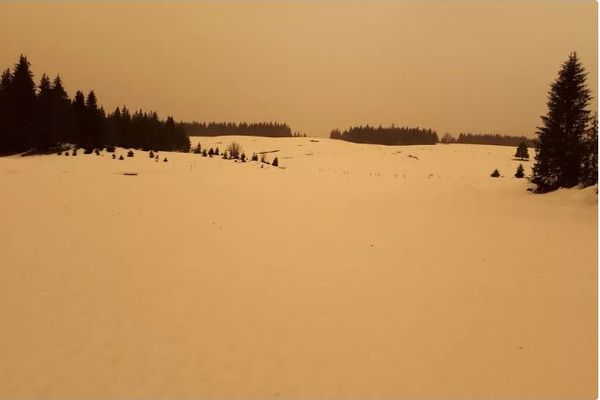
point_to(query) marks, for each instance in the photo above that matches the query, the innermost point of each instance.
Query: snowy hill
(353, 271)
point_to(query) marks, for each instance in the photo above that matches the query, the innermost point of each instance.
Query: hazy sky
(451, 66)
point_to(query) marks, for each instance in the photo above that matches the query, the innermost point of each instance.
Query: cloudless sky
(452, 66)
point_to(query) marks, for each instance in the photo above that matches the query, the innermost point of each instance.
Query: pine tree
(559, 149)
(79, 115)
(495, 174)
(275, 162)
(22, 94)
(42, 131)
(520, 171)
(61, 113)
(522, 151)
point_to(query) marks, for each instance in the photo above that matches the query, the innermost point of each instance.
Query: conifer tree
(61, 113)
(560, 149)
(520, 171)
(522, 152)
(23, 97)
(42, 127)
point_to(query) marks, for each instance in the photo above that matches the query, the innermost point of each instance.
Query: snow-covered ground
(352, 272)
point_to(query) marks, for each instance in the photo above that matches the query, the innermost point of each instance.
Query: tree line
(267, 129)
(42, 117)
(490, 139)
(387, 136)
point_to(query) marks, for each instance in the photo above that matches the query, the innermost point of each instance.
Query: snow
(353, 271)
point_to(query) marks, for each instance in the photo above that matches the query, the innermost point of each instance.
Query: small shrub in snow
(211, 152)
(97, 152)
(88, 150)
(114, 156)
(121, 157)
(110, 149)
(275, 162)
(254, 157)
(520, 172)
(495, 174)
(151, 154)
(243, 157)
(165, 160)
(234, 150)
(130, 153)
(216, 151)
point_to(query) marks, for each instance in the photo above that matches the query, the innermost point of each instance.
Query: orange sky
(451, 66)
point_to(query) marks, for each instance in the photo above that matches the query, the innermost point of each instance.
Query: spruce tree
(559, 149)
(79, 115)
(42, 131)
(522, 151)
(62, 116)
(22, 95)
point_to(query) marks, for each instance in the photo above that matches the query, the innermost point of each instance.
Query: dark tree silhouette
(42, 121)
(267, 129)
(493, 139)
(495, 174)
(387, 136)
(520, 171)
(560, 147)
(234, 150)
(23, 98)
(522, 152)
(275, 162)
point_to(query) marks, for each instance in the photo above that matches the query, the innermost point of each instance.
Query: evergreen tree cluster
(42, 117)
(493, 139)
(387, 136)
(266, 129)
(567, 145)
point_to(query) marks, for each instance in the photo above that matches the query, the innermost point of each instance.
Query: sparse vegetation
(495, 174)
(234, 150)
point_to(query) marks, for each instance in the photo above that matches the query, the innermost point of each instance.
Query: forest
(266, 129)
(494, 139)
(40, 118)
(387, 136)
